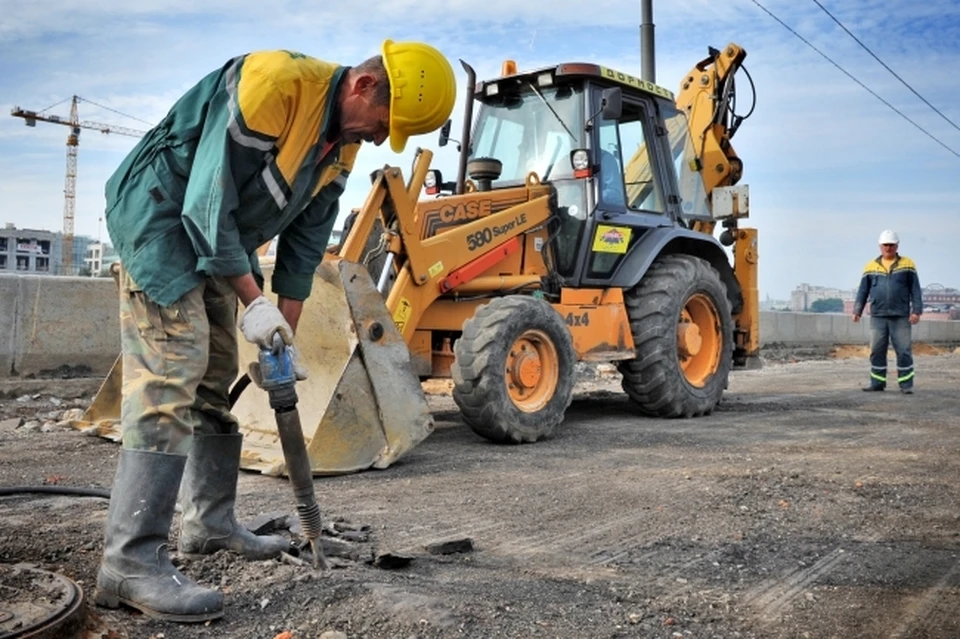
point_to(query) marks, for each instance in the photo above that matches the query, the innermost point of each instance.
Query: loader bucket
(362, 406)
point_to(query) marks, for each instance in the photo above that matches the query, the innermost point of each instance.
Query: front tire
(683, 331)
(514, 370)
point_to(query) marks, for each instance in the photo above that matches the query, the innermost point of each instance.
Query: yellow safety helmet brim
(422, 90)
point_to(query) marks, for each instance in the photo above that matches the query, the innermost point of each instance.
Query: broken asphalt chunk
(450, 546)
(392, 560)
(345, 526)
(268, 523)
(355, 535)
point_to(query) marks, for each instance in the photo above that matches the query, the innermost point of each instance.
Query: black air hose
(235, 392)
(56, 490)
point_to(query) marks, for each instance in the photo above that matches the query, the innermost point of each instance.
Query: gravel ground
(801, 508)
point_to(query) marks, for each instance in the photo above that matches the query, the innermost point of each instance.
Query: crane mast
(70, 188)
(70, 183)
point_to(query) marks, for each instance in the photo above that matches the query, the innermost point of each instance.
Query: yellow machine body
(465, 285)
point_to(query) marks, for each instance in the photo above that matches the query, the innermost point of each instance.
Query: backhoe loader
(579, 227)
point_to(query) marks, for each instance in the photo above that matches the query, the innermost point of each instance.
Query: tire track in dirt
(503, 531)
(615, 552)
(515, 534)
(554, 541)
(631, 531)
(771, 596)
(930, 613)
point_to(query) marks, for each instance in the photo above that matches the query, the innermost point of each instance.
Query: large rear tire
(513, 372)
(683, 331)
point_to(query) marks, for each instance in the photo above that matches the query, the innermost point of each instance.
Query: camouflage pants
(178, 365)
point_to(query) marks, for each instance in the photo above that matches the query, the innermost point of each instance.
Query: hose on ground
(55, 490)
(76, 491)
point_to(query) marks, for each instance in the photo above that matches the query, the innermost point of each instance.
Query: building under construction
(38, 251)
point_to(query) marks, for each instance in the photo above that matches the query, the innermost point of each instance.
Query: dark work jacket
(893, 293)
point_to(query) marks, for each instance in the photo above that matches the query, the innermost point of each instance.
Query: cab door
(631, 190)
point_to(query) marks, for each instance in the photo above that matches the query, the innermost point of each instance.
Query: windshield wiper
(555, 114)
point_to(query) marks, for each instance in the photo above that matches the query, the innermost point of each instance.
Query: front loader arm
(428, 265)
(480, 243)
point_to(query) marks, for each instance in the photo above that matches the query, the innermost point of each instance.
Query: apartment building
(38, 251)
(29, 250)
(100, 256)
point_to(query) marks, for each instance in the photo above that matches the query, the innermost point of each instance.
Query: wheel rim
(532, 371)
(699, 340)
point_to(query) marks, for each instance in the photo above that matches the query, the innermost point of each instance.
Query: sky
(829, 166)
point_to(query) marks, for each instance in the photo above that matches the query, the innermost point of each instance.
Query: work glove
(261, 320)
(253, 369)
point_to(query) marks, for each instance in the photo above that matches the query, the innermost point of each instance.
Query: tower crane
(73, 140)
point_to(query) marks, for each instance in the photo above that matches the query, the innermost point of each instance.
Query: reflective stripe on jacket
(893, 293)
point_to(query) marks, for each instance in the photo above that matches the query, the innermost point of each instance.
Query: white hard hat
(889, 237)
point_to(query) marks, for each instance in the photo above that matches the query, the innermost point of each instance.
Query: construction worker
(891, 285)
(260, 148)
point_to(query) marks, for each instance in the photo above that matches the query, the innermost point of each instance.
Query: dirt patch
(850, 351)
(437, 386)
(862, 351)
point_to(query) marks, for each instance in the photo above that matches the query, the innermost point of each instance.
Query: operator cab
(615, 149)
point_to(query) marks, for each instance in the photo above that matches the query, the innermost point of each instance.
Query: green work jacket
(249, 153)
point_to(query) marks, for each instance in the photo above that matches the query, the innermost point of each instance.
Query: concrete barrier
(829, 329)
(49, 323)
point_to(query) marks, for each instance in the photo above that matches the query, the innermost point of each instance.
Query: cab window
(611, 166)
(627, 143)
(531, 129)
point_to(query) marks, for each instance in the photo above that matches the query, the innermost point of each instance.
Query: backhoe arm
(706, 96)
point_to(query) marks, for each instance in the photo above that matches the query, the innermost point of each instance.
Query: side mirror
(445, 133)
(611, 103)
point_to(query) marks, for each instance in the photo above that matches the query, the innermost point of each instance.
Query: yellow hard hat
(422, 90)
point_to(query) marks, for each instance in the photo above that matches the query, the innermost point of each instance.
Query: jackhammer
(278, 378)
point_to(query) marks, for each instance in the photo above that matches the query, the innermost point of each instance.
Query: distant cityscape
(40, 252)
(939, 302)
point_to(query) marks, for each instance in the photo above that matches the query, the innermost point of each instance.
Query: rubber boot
(136, 569)
(207, 499)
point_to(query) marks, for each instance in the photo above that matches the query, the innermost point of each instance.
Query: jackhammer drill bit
(279, 379)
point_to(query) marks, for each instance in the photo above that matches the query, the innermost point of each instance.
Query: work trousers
(178, 364)
(883, 332)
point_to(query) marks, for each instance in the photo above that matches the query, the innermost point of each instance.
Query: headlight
(580, 160)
